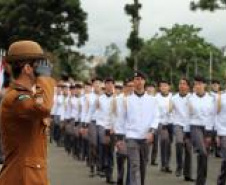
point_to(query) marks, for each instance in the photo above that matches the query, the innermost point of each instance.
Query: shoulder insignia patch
(23, 97)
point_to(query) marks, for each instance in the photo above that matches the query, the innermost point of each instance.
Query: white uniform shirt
(92, 104)
(67, 108)
(215, 95)
(120, 114)
(165, 104)
(75, 108)
(202, 111)
(60, 105)
(181, 111)
(84, 108)
(105, 111)
(221, 116)
(54, 107)
(142, 114)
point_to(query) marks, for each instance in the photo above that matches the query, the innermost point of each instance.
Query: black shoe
(102, 174)
(178, 172)
(91, 175)
(163, 169)
(110, 181)
(189, 179)
(153, 163)
(120, 182)
(168, 170)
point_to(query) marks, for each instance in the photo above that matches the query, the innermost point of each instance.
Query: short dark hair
(96, 79)
(164, 81)
(88, 83)
(216, 81)
(200, 78)
(109, 79)
(186, 80)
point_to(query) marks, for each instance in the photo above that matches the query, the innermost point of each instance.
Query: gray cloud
(108, 22)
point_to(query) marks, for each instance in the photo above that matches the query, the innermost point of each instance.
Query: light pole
(211, 66)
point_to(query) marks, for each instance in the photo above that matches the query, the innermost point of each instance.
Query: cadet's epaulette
(22, 97)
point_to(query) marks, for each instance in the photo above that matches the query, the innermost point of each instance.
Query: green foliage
(71, 63)
(170, 54)
(209, 5)
(53, 23)
(179, 51)
(114, 66)
(134, 42)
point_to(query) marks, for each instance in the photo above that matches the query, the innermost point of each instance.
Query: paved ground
(64, 170)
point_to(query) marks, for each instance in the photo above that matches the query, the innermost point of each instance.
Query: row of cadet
(98, 119)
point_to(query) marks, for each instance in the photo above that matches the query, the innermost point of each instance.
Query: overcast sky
(107, 22)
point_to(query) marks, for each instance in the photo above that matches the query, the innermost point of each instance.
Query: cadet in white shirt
(221, 133)
(59, 116)
(119, 131)
(84, 142)
(215, 90)
(202, 116)
(105, 129)
(166, 127)
(75, 118)
(92, 128)
(151, 90)
(182, 130)
(56, 116)
(141, 119)
(66, 116)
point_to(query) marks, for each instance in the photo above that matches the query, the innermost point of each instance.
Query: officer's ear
(28, 68)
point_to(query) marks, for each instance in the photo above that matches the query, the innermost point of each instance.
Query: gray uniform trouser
(154, 152)
(188, 155)
(166, 136)
(198, 140)
(179, 136)
(222, 177)
(92, 136)
(138, 152)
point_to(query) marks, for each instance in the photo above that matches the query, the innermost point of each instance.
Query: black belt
(76, 123)
(84, 125)
(137, 140)
(198, 127)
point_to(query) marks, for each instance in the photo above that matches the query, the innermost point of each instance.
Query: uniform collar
(164, 95)
(183, 95)
(201, 95)
(108, 94)
(20, 87)
(139, 94)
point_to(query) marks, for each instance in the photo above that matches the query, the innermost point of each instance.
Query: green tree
(114, 66)
(53, 23)
(134, 42)
(209, 5)
(179, 51)
(70, 62)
